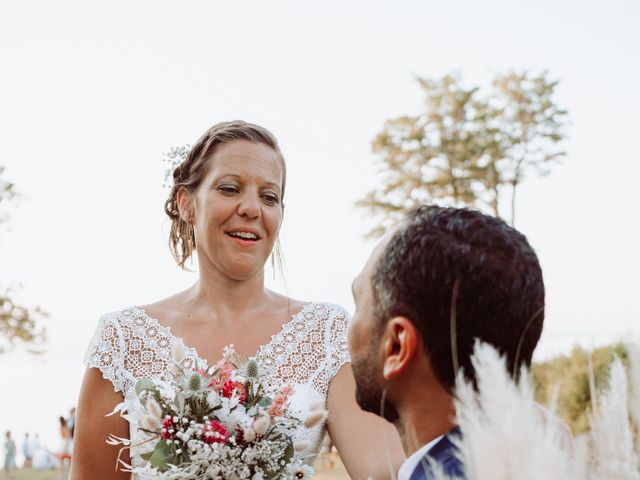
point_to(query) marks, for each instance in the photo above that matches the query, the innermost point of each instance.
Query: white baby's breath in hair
(172, 159)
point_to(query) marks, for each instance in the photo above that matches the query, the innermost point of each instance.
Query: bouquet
(222, 422)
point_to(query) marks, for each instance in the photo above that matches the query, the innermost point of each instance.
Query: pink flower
(286, 390)
(223, 375)
(277, 407)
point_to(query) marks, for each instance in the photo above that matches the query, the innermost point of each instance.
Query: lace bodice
(307, 352)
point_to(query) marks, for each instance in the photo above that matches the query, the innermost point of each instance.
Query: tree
(465, 148)
(528, 124)
(429, 157)
(17, 323)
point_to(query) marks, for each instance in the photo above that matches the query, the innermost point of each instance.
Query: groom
(440, 279)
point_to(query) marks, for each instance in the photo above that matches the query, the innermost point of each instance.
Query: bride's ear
(185, 206)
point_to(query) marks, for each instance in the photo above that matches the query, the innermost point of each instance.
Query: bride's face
(238, 209)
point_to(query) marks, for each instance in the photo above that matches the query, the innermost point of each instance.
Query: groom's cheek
(352, 337)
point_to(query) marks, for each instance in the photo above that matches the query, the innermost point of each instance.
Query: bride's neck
(217, 293)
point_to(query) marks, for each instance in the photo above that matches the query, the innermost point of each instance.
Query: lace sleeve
(336, 340)
(105, 352)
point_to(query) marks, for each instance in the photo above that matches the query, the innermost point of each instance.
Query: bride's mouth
(243, 236)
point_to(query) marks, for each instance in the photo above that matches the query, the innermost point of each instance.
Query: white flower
(260, 425)
(299, 470)
(177, 352)
(301, 445)
(249, 434)
(229, 354)
(213, 399)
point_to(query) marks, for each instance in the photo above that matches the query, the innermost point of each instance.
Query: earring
(273, 265)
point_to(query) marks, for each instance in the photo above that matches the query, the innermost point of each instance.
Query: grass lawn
(323, 471)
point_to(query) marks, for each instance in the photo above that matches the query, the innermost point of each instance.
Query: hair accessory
(174, 157)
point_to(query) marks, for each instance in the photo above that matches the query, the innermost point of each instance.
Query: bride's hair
(189, 174)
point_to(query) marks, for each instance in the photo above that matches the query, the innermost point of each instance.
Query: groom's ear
(400, 344)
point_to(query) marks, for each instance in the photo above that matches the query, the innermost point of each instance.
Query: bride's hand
(359, 436)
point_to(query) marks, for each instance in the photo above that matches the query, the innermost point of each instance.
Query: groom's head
(440, 279)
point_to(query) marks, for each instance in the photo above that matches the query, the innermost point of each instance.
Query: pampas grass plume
(633, 351)
(315, 417)
(504, 434)
(613, 453)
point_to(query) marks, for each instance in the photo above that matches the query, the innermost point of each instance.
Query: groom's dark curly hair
(459, 274)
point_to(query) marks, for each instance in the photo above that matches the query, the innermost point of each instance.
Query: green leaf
(145, 384)
(179, 401)
(162, 456)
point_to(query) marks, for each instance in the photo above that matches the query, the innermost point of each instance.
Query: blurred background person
(9, 455)
(64, 452)
(27, 450)
(71, 421)
(43, 459)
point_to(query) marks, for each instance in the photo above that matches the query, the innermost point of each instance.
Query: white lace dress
(307, 352)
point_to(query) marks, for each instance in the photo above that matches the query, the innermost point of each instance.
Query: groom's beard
(368, 392)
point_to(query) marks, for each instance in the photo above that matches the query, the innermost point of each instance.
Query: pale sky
(92, 94)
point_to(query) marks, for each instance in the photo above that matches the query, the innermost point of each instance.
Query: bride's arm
(93, 458)
(360, 436)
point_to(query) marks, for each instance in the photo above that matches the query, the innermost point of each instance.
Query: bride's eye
(270, 198)
(227, 189)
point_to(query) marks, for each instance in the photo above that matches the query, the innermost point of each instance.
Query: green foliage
(145, 384)
(162, 456)
(18, 324)
(570, 376)
(7, 193)
(467, 147)
(527, 124)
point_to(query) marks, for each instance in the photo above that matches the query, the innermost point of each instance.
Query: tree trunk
(494, 203)
(514, 184)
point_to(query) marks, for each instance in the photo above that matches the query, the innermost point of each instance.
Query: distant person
(71, 421)
(9, 455)
(27, 450)
(43, 459)
(64, 453)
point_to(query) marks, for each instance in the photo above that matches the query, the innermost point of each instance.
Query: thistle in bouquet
(220, 422)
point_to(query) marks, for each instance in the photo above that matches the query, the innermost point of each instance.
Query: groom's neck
(423, 415)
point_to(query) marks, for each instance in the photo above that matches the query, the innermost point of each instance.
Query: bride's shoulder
(328, 307)
(331, 313)
(138, 315)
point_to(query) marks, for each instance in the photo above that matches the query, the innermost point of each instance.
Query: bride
(227, 203)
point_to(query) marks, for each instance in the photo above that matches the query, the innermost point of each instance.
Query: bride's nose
(249, 206)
